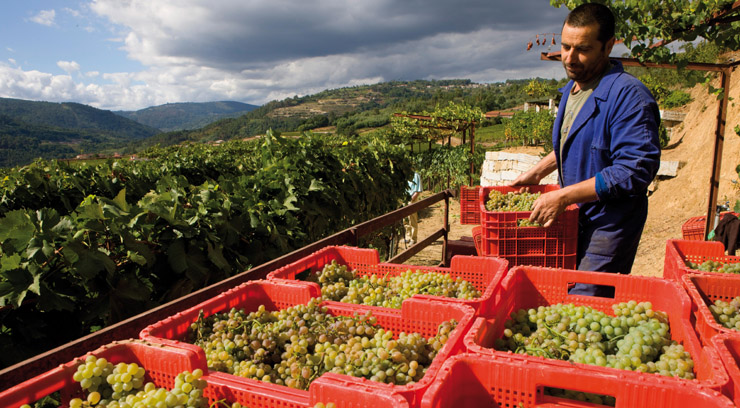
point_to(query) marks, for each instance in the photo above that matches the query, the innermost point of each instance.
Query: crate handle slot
(605, 291)
(561, 394)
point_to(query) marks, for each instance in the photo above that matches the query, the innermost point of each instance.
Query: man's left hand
(547, 208)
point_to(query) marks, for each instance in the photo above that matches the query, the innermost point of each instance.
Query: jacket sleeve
(634, 146)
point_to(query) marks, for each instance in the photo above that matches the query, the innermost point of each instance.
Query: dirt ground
(673, 201)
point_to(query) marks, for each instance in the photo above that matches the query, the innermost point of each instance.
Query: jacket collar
(605, 84)
(601, 92)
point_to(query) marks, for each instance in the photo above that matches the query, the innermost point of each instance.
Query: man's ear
(609, 45)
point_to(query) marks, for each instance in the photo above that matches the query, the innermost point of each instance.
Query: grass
(488, 134)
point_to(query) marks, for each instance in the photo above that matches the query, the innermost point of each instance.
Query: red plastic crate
(678, 252)
(509, 219)
(728, 348)
(703, 291)
(478, 239)
(469, 205)
(416, 316)
(471, 380)
(693, 228)
(529, 287)
(555, 246)
(483, 273)
(162, 365)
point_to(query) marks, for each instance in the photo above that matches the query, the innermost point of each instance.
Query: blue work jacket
(614, 138)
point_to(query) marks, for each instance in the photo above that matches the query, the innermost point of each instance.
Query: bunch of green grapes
(636, 338)
(509, 202)
(593, 398)
(123, 386)
(340, 284)
(294, 346)
(727, 313)
(525, 222)
(715, 266)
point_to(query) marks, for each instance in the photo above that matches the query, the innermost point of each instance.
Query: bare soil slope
(674, 200)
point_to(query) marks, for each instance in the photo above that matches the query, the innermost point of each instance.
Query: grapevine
(636, 338)
(294, 346)
(341, 284)
(715, 266)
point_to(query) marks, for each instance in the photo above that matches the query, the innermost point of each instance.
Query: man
(605, 147)
(412, 226)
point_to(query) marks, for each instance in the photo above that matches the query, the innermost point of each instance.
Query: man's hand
(547, 207)
(524, 179)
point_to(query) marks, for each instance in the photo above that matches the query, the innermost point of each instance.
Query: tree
(531, 128)
(646, 26)
(539, 89)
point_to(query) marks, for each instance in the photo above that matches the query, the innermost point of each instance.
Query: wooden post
(718, 145)
(472, 151)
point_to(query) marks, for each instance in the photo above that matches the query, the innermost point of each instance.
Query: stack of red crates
(554, 246)
(469, 205)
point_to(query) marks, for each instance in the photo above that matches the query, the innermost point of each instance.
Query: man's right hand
(524, 179)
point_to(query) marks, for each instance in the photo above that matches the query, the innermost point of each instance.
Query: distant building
(549, 104)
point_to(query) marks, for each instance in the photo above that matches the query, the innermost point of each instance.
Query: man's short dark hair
(593, 13)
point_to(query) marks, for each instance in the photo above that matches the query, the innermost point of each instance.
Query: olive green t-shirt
(573, 105)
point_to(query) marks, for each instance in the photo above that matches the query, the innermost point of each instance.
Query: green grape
(509, 202)
(513, 202)
(727, 313)
(715, 266)
(123, 384)
(635, 338)
(296, 345)
(338, 283)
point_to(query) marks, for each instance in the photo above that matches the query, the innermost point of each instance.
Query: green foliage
(531, 128)
(539, 89)
(74, 116)
(447, 166)
(643, 23)
(452, 118)
(314, 122)
(91, 245)
(676, 99)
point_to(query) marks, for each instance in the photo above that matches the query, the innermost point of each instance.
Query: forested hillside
(31, 130)
(349, 110)
(187, 115)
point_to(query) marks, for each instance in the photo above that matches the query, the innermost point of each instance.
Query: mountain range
(186, 115)
(48, 130)
(31, 130)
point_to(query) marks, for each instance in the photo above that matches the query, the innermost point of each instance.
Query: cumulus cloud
(263, 50)
(69, 67)
(237, 35)
(44, 17)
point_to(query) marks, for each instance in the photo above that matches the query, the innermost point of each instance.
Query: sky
(132, 54)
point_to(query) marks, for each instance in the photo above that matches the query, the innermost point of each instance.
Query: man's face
(584, 56)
